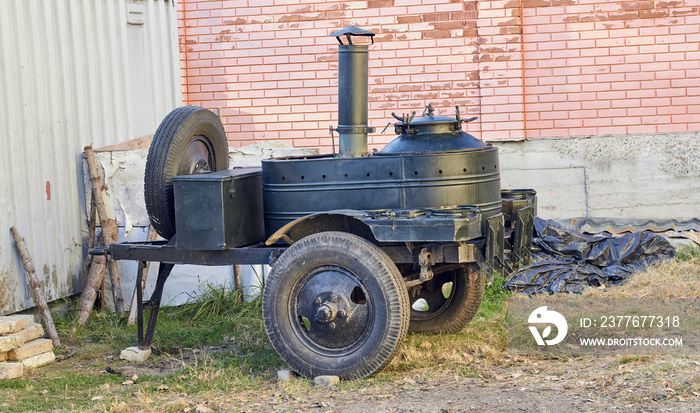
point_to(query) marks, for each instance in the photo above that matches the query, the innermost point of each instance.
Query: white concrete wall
(637, 176)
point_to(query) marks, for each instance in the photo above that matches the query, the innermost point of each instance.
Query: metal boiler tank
(432, 164)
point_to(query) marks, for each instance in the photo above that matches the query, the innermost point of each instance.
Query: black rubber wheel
(453, 297)
(335, 304)
(189, 140)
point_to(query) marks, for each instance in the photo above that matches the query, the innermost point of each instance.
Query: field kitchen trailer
(353, 238)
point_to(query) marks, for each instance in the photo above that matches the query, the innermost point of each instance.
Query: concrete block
(7, 343)
(326, 381)
(135, 354)
(286, 374)
(31, 332)
(30, 349)
(13, 323)
(11, 370)
(38, 360)
(3, 356)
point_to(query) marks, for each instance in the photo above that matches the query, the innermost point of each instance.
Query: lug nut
(318, 301)
(334, 298)
(331, 325)
(341, 313)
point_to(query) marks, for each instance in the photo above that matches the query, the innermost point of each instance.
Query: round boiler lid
(433, 120)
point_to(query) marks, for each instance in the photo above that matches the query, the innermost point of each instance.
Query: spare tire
(189, 140)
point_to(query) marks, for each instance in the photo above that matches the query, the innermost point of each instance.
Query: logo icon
(543, 316)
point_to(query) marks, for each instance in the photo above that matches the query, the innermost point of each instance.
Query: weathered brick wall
(527, 68)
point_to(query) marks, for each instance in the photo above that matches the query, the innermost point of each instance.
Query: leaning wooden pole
(109, 226)
(36, 286)
(92, 285)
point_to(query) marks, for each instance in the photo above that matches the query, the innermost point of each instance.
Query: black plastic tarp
(570, 262)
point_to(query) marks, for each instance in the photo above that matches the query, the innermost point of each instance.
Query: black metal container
(218, 210)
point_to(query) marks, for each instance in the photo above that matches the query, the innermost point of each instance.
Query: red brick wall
(527, 68)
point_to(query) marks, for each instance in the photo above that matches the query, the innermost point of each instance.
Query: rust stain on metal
(48, 190)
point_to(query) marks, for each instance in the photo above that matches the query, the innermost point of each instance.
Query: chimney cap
(352, 31)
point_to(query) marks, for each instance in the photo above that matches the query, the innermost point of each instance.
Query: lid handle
(460, 120)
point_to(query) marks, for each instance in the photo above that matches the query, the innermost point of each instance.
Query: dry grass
(676, 278)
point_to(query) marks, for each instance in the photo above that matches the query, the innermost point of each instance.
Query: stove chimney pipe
(352, 93)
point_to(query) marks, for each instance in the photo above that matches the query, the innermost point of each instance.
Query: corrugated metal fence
(72, 73)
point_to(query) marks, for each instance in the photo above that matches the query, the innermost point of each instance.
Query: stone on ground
(326, 381)
(7, 343)
(30, 349)
(31, 332)
(286, 374)
(14, 323)
(39, 360)
(135, 354)
(11, 370)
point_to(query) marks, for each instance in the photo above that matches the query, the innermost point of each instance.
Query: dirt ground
(518, 384)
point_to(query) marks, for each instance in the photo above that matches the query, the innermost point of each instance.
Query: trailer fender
(339, 220)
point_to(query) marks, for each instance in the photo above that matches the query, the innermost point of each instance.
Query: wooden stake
(109, 227)
(36, 287)
(92, 285)
(151, 236)
(92, 223)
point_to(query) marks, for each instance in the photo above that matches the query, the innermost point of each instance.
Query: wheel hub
(329, 313)
(197, 157)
